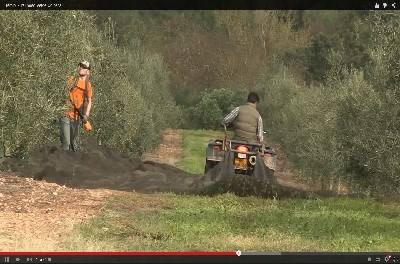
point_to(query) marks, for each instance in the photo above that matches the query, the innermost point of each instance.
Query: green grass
(194, 143)
(169, 222)
(227, 222)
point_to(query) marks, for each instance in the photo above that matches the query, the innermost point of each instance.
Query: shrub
(212, 107)
(347, 129)
(40, 49)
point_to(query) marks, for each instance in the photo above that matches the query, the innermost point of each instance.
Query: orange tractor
(244, 155)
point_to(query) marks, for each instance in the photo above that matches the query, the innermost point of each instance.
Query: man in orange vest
(79, 104)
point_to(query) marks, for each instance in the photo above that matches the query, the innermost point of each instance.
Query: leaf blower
(86, 125)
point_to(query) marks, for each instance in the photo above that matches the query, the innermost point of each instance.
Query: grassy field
(226, 222)
(194, 145)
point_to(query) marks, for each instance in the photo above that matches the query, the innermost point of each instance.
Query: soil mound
(100, 167)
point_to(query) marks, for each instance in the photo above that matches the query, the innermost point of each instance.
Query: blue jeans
(69, 133)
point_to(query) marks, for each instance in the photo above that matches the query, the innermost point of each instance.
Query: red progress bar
(127, 253)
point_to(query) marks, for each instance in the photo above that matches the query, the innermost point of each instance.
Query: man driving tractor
(247, 122)
(245, 155)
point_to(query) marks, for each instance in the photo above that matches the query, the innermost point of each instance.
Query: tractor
(244, 157)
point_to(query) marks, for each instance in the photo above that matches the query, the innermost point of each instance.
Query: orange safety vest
(79, 91)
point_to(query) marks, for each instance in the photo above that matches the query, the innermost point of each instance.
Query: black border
(193, 4)
(258, 258)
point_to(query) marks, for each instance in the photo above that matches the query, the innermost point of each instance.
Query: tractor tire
(209, 165)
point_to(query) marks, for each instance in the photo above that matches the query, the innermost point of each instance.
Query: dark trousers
(69, 133)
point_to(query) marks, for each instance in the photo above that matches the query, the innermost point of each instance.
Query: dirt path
(35, 214)
(285, 174)
(169, 151)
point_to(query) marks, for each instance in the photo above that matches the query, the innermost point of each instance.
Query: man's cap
(84, 64)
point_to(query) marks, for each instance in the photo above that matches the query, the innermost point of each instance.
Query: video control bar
(197, 257)
(198, 5)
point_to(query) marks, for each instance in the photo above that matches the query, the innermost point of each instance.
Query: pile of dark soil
(262, 183)
(100, 167)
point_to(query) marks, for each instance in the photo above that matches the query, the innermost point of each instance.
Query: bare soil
(101, 168)
(285, 174)
(169, 151)
(35, 214)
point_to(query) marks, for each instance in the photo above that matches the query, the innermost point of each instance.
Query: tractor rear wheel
(209, 165)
